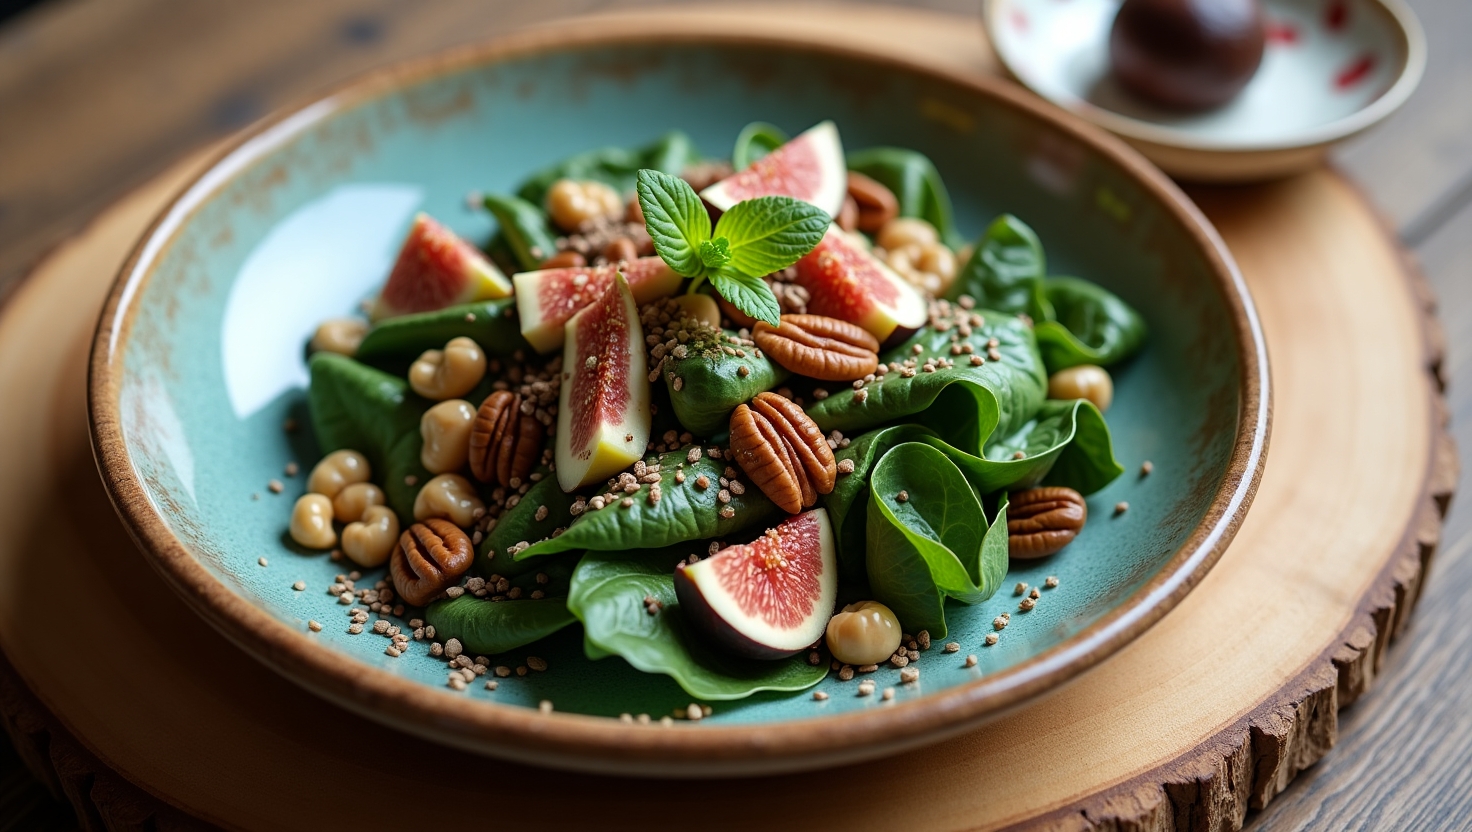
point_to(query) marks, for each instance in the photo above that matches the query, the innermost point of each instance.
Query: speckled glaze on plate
(1332, 68)
(198, 361)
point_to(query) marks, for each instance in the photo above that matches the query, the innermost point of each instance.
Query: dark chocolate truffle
(1187, 54)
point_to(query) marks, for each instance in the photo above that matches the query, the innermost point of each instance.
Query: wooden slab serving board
(143, 716)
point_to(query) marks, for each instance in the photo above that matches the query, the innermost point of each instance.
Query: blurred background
(97, 96)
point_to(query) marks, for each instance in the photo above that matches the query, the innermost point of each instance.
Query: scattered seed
(1051, 582)
(355, 629)
(899, 660)
(902, 497)
(866, 688)
(536, 663)
(1146, 467)
(275, 486)
(261, 561)
(291, 469)
(922, 639)
(502, 670)
(999, 622)
(1035, 594)
(1121, 507)
(861, 396)
(694, 713)
(991, 639)
(867, 668)
(888, 694)
(314, 626)
(1026, 604)
(971, 660)
(545, 706)
(820, 696)
(953, 647)
(845, 466)
(1020, 588)
(492, 684)
(910, 674)
(846, 673)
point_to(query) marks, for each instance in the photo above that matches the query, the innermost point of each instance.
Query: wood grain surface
(1408, 742)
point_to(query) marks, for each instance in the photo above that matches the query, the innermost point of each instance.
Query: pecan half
(505, 442)
(782, 451)
(823, 348)
(1040, 521)
(876, 203)
(430, 557)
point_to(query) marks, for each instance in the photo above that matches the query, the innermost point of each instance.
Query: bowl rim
(1403, 21)
(599, 744)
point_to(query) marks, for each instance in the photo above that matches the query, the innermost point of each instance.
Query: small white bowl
(1332, 69)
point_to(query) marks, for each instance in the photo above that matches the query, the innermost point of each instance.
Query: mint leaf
(770, 233)
(750, 294)
(676, 220)
(715, 253)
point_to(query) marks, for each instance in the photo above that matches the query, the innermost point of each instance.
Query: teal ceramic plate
(198, 361)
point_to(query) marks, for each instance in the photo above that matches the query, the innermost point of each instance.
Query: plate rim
(1406, 25)
(600, 744)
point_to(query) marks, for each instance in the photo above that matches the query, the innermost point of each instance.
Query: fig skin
(716, 628)
(1187, 54)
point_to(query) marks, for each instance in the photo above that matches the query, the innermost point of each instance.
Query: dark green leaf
(934, 544)
(1002, 394)
(712, 384)
(684, 512)
(524, 227)
(491, 323)
(357, 407)
(1091, 326)
(608, 592)
(915, 182)
(756, 140)
(770, 233)
(491, 627)
(1006, 271)
(519, 524)
(676, 220)
(750, 294)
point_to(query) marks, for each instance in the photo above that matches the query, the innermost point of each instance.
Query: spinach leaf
(1064, 443)
(614, 166)
(525, 229)
(934, 544)
(915, 182)
(684, 512)
(1006, 271)
(1091, 326)
(356, 406)
(1002, 394)
(712, 384)
(608, 592)
(491, 627)
(519, 524)
(491, 323)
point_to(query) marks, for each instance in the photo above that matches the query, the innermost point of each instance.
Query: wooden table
(99, 95)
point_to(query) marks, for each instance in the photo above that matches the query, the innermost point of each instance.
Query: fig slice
(436, 269)
(547, 299)
(603, 414)
(766, 599)
(808, 167)
(846, 281)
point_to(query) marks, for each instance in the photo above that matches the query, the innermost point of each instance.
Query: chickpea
(451, 497)
(448, 373)
(371, 540)
(864, 633)
(446, 431)
(350, 503)
(1085, 381)
(339, 335)
(311, 522)
(904, 231)
(575, 204)
(930, 266)
(702, 308)
(337, 471)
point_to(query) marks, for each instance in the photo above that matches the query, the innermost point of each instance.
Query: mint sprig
(753, 239)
